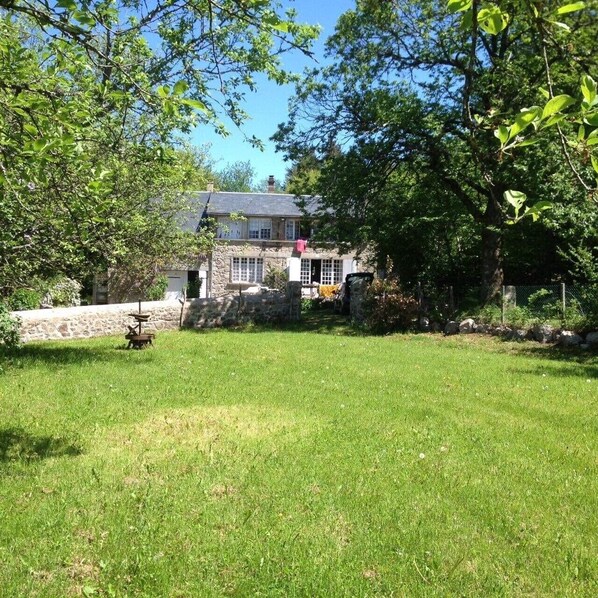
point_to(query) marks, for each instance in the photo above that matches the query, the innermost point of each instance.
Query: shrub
(65, 292)
(276, 278)
(387, 308)
(10, 328)
(194, 288)
(157, 290)
(23, 299)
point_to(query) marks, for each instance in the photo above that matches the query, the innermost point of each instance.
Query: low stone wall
(103, 320)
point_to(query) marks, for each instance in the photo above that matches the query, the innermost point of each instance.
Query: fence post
(419, 303)
(502, 305)
(563, 302)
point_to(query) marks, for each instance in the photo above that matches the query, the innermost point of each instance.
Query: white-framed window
(247, 269)
(332, 271)
(291, 230)
(229, 228)
(305, 275)
(260, 228)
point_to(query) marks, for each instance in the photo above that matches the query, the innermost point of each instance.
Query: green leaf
(195, 104)
(492, 20)
(180, 87)
(591, 119)
(523, 120)
(454, 6)
(275, 22)
(70, 5)
(594, 162)
(557, 104)
(536, 210)
(561, 25)
(515, 198)
(527, 142)
(163, 91)
(39, 144)
(84, 17)
(592, 138)
(553, 120)
(588, 89)
(502, 133)
(570, 8)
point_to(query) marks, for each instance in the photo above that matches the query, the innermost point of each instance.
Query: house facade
(255, 232)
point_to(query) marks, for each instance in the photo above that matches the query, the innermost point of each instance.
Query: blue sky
(268, 106)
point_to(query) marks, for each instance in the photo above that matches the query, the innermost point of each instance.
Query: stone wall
(102, 320)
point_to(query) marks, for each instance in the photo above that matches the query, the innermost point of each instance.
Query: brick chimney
(271, 184)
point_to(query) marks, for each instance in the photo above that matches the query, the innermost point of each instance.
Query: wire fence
(562, 303)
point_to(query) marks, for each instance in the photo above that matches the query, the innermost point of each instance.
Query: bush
(65, 292)
(23, 299)
(157, 290)
(10, 328)
(194, 288)
(387, 308)
(276, 278)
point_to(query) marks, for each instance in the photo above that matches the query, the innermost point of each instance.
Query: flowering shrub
(327, 291)
(65, 292)
(387, 308)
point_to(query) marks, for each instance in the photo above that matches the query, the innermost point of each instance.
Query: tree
(238, 176)
(92, 95)
(412, 84)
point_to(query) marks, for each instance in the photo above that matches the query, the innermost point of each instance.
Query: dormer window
(229, 228)
(260, 228)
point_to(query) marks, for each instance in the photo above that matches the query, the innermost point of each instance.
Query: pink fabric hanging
(300, 245)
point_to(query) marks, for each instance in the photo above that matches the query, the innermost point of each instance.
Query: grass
(298, 462)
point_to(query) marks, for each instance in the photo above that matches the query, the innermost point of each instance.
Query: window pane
(305, 271)
(247, 269)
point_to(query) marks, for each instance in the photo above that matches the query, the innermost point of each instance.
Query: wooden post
(419, 303)
(502, 305)
(563, 302)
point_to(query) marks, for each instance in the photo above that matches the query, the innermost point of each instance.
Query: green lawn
(298, 463)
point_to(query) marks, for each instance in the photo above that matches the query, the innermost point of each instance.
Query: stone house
(255, 232)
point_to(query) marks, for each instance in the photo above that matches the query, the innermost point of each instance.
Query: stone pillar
(294, 299)
(359, 288)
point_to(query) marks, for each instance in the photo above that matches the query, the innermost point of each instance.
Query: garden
(309, 460)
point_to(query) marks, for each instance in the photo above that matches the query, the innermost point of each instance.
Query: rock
(451, 328)
(584, 346)
(543, 333)
(467, 326)
(519, 335)
(592, 339)
(570, 339)
(482, 328)
(436, 327)
(424, 324)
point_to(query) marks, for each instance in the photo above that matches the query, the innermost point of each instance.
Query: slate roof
(218, 203)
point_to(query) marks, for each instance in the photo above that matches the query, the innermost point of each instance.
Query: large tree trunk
(492, 245)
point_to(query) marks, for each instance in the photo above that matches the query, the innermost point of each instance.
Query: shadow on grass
(17, 444)
(31, 354)
(578, 363)
(319, 322)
